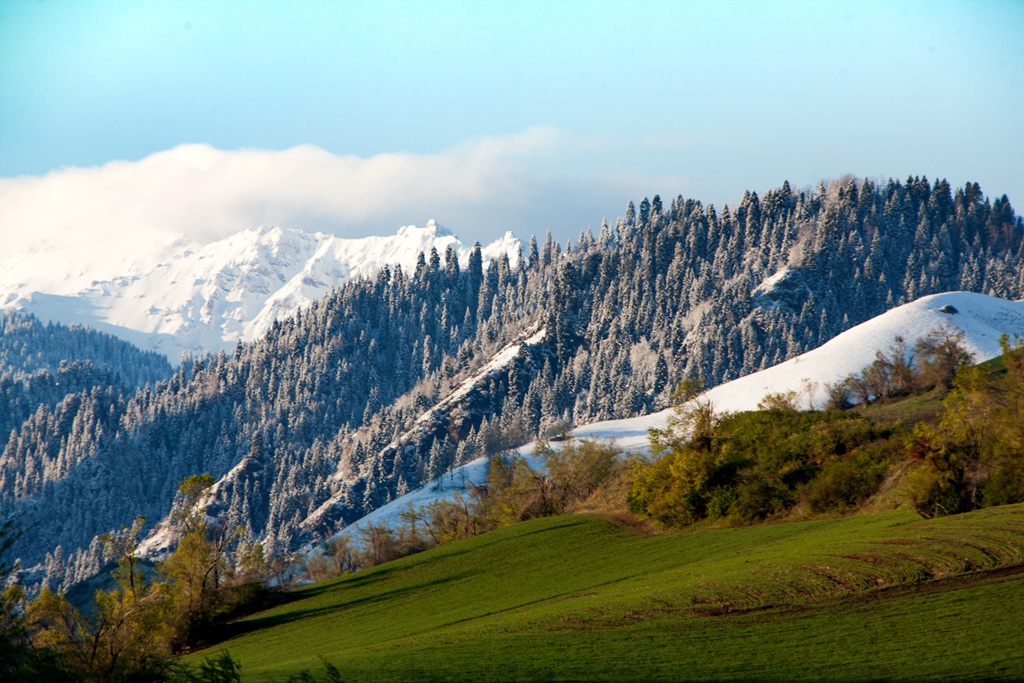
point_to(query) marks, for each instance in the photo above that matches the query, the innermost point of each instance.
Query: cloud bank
(479, 189)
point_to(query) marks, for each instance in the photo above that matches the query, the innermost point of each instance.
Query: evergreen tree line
(324, 408)
(29, 346)
(41, 364)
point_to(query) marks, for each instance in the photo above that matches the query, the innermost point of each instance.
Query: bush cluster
(748, 467)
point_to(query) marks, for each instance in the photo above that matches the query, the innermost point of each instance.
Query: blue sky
(519, 115)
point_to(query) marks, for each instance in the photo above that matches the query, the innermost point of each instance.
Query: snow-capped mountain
(982, 319)
(180, 297)
(310, 411)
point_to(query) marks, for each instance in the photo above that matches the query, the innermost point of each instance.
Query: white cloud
(477, 188)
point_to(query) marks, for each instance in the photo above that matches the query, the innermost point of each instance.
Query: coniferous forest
(343, 407)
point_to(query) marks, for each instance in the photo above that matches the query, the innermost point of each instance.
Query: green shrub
(759, 499)
(844, 483)
(755, 465)
(1005, 483)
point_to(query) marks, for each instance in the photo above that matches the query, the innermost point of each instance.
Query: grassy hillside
(576, 598)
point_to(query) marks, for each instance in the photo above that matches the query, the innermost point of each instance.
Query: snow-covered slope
(983, 319)
(177, 296)
(163, 537)
(458, 400)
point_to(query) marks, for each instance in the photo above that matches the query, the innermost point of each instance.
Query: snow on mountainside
(983, 319)
(178, 297)
(460, 400)
(439, 416)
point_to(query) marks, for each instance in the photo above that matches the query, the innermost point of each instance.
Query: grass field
(576, 598)
(907, 409)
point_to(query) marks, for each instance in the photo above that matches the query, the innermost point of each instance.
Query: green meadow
(574, 598)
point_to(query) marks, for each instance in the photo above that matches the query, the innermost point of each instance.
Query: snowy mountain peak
(185, 298)
(431, 228)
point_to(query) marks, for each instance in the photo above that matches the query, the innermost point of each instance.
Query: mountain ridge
(188, 298)
(672, 291)
(982, 319)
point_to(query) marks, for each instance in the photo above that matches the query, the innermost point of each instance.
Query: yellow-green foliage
(515, 492)
(750, 466)
(131, 630)
(127, 632)
(577, 470)
(974, 456)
